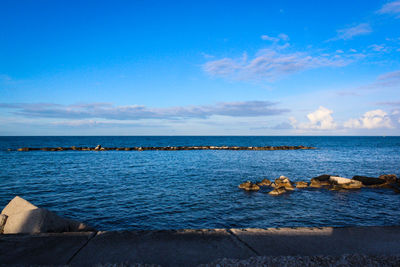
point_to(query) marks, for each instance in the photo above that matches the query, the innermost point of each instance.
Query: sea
(154, 190)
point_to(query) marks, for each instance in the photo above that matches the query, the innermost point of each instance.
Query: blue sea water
(114, 190)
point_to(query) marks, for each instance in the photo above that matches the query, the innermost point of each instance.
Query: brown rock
(249, 186)
(322, 178)
(283, 181)
(319, 184)
(264, 182)
(389, 178)
(369, 181)
(277, 191)
(301, 184)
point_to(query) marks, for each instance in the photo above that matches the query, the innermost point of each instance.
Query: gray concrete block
(307, 241)
(40, 221)
(167, 248)
(17, 205)
(43, 249)
(25, 218)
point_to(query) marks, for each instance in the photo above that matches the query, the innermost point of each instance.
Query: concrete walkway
(194, 247)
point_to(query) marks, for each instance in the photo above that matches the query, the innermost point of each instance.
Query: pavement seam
(241, 241)
(79, 250)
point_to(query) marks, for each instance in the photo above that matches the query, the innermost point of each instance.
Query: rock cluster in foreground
(20, 216)
(332, 182)
(167, 148)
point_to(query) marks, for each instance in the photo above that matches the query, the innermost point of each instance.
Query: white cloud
(390, 8)
(321, 119)
(349, 33)
(370, 120)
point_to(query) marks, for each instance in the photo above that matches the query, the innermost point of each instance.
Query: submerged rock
(301, 184)
(249, 186)
(24, 217)
(369, 181)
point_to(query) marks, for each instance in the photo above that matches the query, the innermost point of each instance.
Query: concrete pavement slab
(308, 241)
(46, 249)
(167, 248)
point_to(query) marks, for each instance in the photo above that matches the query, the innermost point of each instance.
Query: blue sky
(199, 67)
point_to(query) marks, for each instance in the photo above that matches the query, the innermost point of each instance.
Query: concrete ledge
(166, 248)
(44, 249)
(194, 247)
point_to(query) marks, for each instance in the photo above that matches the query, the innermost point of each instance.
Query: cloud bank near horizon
(138, 112)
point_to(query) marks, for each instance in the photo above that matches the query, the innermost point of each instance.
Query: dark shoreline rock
(167, 148)
(369, 181)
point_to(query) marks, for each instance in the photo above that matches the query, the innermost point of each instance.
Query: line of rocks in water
(283, 184)
(167, 148)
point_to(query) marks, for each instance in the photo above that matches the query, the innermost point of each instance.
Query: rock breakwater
(164, 148)
(283, 184)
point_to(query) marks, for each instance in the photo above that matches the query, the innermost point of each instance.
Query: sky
(199, 67)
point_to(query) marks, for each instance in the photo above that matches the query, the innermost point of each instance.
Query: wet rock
(301, 184)
(249, 186)
(389, 178)
(320, 181)
(369, 181)
(277, 191)
(340, 180)
(264, 182)
(345, 183)
(322, 178)
(283, 181)
(319, 184)
(24, 217)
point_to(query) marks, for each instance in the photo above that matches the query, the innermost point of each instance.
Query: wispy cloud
(349, 33)
(280, 37)
(271, 64)
(379, 48)
(390, 8)
(137, 112)
(389, 79)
